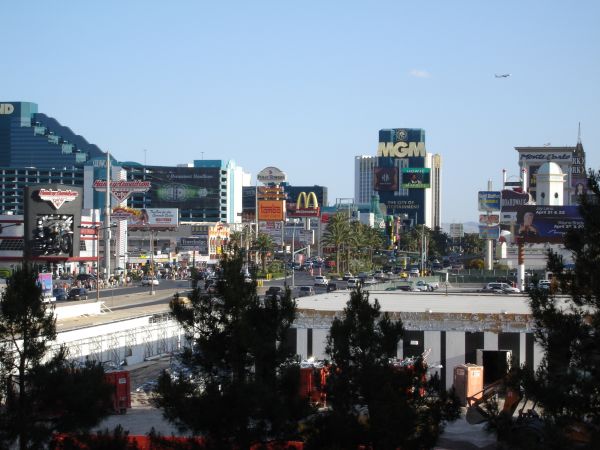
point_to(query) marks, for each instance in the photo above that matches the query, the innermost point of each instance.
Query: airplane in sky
(503, 75)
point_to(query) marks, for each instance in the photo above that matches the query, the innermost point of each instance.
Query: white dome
(549, 168)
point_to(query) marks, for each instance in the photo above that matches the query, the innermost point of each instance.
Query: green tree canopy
(41, 392)
(244, 383)
(372, 400)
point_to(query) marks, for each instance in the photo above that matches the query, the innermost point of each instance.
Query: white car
(147, 281)
(321, 281)
(353, 283)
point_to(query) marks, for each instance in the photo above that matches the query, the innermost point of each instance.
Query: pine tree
(371, 400)
(42, 393)
(244, 384)
(567, 319)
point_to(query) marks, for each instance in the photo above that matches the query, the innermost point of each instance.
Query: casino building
(405, 176)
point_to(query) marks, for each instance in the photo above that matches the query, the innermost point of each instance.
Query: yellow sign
(306, 205)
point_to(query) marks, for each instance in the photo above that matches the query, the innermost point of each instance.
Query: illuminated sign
(57, 198)
(307, 205)
(538, 223)
(415, 177)
(271, 210)
(401, 149)
(121, 189)
(489, 219)
(486, 232)
(385, 178)
(6, 108)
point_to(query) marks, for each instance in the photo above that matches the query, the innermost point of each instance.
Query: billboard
(385, 178)
(52, 220)
(489, 219)
(198, 244)
(415, 177)
(487, 232)
(512, 198)
(271, 175)
(489, 201)
(307, 205)
(536, 223)
(271, 210)
(150, 217)
(185, 187)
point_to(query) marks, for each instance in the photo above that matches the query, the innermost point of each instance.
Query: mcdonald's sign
(307, 205)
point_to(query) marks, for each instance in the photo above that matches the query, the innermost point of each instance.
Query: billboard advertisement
(52, 220)
(185, 187)
(536, 223)
(512, 198)
(489, 201)
(415, 177)
(271, 210)
(487, 232)
(489, 219)
(147, 217)
(307, 205)
(198, 244)
(385, 178)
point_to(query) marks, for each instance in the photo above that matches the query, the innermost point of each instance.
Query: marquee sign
(271, 175)
(57, 197)
(121, 189)
(307, 205)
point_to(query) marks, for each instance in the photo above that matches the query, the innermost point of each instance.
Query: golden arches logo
(310, 198)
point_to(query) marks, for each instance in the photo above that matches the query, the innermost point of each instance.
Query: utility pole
(107, 218)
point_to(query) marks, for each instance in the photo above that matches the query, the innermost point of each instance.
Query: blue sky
(305, 86)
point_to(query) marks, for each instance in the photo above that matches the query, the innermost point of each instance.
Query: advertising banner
(537, 223)
(415, 177)
(307, 205)
(489, 219)
(45, 282)
(512, 199)
(385, 178)
(199, 244)
(489, 201)
(486, 232)
(147, 218)
(185, 187)
(457, 230)
(271, 210)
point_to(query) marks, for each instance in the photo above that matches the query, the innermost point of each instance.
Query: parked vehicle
(60, 294)
(353, 283)
(147, 281)
(321, 280)
(422, 286)
(276, 292)
(305, 291)
(347, 276)
(500, 288)
(331, 287)
(544, 284)
(78, 293)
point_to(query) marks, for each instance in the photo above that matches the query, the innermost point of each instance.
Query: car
(305, 291)
(275, 292)
(414, 271)
(353, 283)
(544, 284)
(60, 294)
(78, 293)
(85, 277)
(331, 287)
(147, 281)
(500, 288)
(320, 280)
(422, 286)
(347, 276)
(181, 298)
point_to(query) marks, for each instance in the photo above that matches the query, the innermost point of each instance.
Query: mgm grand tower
(405, 176)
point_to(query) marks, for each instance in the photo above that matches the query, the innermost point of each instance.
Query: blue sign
(489, 201)
(486, 232)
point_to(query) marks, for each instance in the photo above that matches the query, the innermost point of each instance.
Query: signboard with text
(489, 201)
(415, 178)
(536, 223)
(271, 210)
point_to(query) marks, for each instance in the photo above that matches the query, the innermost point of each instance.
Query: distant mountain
(468, 227)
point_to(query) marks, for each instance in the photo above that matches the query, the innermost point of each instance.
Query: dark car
(85, 277)
(331, 287)
(275, 291)
(59, 294)
(78, 294)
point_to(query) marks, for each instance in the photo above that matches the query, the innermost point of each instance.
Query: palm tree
(263, 244)
(336, 235)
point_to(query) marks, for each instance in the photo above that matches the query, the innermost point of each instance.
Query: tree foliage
(41, 393)
(243, 386)
(371, 400)
(567, 319)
